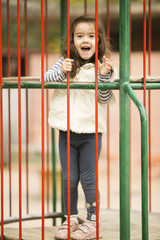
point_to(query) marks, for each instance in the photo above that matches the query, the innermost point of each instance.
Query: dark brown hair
(78, 61)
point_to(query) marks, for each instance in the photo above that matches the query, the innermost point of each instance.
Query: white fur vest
(82, 106)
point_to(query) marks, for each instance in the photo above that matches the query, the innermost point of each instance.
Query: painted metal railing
(128, 88)
(144, 159)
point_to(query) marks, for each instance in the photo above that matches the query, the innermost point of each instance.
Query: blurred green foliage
(34, 28)
(33, 36)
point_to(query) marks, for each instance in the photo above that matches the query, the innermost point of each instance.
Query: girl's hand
(105, 67)
(67, 65)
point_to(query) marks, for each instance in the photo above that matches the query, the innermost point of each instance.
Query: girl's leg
(87, 176)
(74, 175)
(87, 172)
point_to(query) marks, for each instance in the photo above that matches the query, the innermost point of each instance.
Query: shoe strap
(65, 225)
(85, 226)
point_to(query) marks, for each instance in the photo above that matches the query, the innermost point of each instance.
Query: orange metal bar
(149, 106)
(1, 128)
(9, 110)
(19, 116)
(47, 101)
(68, 117)
(42, 113)
(27, 121)
(144, 51)
(108, 112)
(96, 116)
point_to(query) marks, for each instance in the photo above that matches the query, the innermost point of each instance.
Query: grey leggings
(82, 168)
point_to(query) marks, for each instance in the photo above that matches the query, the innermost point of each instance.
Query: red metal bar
(27, 121)
(9, 111)
(149, 105)
(47, 100)
(85, 7)
(68, 118)
(144, 51)
(42, 113)
(96, 116)
(108, 112)
(19, 116)
(1, 128)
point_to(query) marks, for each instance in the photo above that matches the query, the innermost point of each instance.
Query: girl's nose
(85, 39)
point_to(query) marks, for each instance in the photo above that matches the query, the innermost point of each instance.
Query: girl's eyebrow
(76, 33)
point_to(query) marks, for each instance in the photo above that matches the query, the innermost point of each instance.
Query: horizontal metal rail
(37, 79)
(144, 159)
(55, 85)
(32, 217)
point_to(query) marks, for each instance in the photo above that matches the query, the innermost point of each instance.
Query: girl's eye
(79, 36)
(92, 36)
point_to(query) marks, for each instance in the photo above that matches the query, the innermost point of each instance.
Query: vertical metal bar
(9, 110)
(19, 116)
(68, 118)
(108, 110)
(25, 34)
(130, 106)
(144, 160)
(149, 106)
(47, 100)
(124, 120)
(143, 167)
(54, 175)
(42, 113)
(96, 116)
(27, 120)
(85, 7)
(1, 128)
(63, 7)
(8, 39)
(144, 51)
(144, 180)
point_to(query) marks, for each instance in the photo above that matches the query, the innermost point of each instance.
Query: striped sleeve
(104, 96)
(55, 74)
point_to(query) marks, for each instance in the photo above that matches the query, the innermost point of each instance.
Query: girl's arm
(105, 72)
(104, 96)
(55, 73)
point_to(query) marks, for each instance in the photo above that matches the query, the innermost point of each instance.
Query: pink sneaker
(62, 232)
(85, 231)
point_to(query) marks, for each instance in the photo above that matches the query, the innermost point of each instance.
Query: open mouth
(85, 49)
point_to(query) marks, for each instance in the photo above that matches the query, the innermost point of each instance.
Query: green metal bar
(144, 160)
(62, 85)
(124, 120)
(113, 86)
(54, 176)
(140, 86)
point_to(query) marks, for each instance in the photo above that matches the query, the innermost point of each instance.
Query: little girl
(81, 66)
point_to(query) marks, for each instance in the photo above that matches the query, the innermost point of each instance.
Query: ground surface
(109, 225)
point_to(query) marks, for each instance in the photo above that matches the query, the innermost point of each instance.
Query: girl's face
(84, 39)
